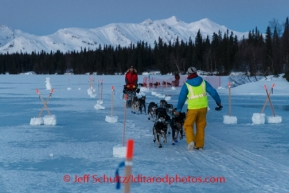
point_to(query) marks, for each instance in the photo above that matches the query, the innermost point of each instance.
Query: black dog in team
(135, 105)
(170, 108)
(177, 126)
(162, 111)
(163, 103)
(160, 130)
(142, 104)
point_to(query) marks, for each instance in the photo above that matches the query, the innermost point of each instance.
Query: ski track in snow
(252, 158)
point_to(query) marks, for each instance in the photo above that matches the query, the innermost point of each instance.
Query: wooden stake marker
(48, 119)
(120, 150)
(111, 118)
(229, 119)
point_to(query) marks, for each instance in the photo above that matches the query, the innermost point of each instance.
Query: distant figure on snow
(176, 82)
(131, 78)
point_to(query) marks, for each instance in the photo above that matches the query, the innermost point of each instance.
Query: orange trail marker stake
(92, 83)
(160, 86)
(112, 98)
(44, 103)
(101, 86)
(166, 87)
(124, 120)
(91, 80)
(230, 102)
(98, 90)
(269, 100)
(229, 119)
(128, 164)
(271, 92)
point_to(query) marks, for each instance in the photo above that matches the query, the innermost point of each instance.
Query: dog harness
(197, 96)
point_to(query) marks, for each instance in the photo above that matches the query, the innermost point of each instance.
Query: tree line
(258, 54)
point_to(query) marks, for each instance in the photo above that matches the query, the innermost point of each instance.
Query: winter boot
(191, 146)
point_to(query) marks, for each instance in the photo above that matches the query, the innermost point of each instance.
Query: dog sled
(130, 90)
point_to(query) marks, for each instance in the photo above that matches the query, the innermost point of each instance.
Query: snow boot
(191, 146)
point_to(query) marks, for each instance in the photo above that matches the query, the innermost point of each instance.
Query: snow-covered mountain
(122, 34)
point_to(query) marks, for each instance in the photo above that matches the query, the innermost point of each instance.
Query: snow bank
(119, 151)
(111, 119)
(36, 121)
(257, 87)
(258, 118)
(272, 119)
(99, 106)
(49, 120)
(28, 73)
(230, 119)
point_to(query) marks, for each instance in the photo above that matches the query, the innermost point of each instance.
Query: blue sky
(43, 17)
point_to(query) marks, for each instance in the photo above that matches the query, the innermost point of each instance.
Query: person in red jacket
(131, 78)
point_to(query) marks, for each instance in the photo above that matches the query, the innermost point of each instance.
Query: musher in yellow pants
(195, 92)
(196, 118)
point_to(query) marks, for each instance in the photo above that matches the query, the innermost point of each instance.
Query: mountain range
(123, 34)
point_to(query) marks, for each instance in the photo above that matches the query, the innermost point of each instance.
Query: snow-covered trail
(246, 167)
(252, 158)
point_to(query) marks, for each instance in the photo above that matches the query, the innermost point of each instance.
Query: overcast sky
(43, 17)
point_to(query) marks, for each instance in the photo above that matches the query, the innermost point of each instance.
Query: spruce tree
(276, 52)
(285, 48)
(268, 50)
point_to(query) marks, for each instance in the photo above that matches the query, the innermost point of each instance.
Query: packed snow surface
(44, 158)
(230, 119)
(119, 151)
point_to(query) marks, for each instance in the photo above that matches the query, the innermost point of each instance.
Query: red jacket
(131, 78)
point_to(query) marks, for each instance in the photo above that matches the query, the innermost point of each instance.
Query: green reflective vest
(197, 96)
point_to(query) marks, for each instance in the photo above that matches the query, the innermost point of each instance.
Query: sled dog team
(165, 122)
(195, 91)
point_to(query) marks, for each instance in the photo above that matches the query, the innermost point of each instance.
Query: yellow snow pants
(197, 116)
